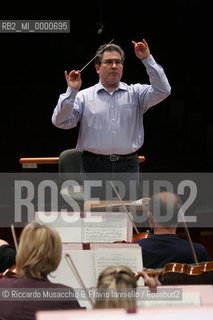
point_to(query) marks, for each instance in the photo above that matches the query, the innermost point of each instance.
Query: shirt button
(114, 131)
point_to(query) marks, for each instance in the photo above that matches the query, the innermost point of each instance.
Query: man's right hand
(73, 79)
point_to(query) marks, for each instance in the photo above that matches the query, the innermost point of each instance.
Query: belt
(112, 157)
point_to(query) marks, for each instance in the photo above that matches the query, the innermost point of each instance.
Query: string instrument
(177, 273)
(141, 235)
(138, 235)
(148, 233)
(188, 269)
(9, 273)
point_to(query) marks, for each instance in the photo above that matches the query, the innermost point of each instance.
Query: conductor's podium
(35, 162)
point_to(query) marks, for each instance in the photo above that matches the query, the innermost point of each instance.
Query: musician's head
(164, 209)
(116, 287)
(109, 65)
(107, 48)
(39, 251)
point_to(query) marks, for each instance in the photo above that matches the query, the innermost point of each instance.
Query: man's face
(111, 68)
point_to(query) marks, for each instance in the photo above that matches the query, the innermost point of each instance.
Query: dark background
(178, 132)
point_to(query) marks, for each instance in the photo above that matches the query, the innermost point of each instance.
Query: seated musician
(117, 280)
(164, 246)
(39, 254)
(7, 256)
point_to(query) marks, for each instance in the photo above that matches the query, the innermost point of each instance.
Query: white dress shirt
(112, 122)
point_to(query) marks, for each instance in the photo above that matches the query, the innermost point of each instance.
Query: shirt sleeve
(159, 88)
(65, 115)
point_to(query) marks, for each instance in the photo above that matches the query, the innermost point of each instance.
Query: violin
(177, 273)
(9, 273)
(188, 269)
(137, 236)
(141, 235)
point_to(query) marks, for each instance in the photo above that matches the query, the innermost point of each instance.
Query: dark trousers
(100, 170)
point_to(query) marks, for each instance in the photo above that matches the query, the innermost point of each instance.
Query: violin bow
(14, 236)
(189, 237)
(77, 275)
(124, 207)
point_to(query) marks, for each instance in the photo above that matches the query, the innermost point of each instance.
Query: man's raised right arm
(64, 115)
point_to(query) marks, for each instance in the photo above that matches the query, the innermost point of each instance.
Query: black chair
(69, 161)
(69, 169)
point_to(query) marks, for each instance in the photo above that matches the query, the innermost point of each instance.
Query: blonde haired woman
(38, 255)
(116, 287)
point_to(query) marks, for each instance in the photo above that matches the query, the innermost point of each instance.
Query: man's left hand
(141, 49)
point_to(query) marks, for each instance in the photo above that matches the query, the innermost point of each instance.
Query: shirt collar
(121, 86)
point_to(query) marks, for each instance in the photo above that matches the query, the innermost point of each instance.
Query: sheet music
(93, 227)
(98, 245)
(68, 224)
(94, 233)
(113, 227)
(63, 274)
(104, 257)
(90, 263)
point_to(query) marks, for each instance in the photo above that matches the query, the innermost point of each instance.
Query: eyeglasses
(110, 62)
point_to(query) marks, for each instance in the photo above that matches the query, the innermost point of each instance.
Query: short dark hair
(108, 47)
(165, 207)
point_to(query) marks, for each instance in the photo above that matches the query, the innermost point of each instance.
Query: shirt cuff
(149, 61)
(71, 93)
